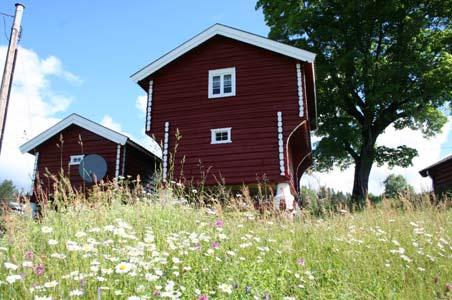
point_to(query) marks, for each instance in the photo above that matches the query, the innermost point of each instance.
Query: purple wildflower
(215, 245)
(203, 297)
(219, 223)
(300, 262)
(39, 269)
(197, 246)
(29, 254)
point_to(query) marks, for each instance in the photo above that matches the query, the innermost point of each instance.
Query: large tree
(378, 63)
(396, 185)
(7, 191)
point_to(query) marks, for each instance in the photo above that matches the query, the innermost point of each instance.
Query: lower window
(220, 136)
(76, 159)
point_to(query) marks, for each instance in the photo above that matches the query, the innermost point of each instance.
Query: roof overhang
(426, 171)
(229, 32)
(75, 119)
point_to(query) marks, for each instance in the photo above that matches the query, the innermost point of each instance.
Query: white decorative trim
(35, 171)
(118, 159)
(281, 144)
(123, 161)
(149, 108)
(213, 135)
(221, 73)
(300, 78)
(165, 151)
(228, 32)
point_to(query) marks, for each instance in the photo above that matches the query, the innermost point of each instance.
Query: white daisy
(46, 229)
(13, 278)
(76, 293)
(51, 284)
(10, 266)
(225, 288)
(123, 267)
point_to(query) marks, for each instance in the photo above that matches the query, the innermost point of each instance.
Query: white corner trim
(300, 91)
(123, 169)
(213, 133)
(221, 73)
(282, 168)
(229, 32)
(165, 151)
(76, 120)
(149, 107)
(35, 171)
(118, 159)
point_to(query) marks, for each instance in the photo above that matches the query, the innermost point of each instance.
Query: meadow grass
(147, 251)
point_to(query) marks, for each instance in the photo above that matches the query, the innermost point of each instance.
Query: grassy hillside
(145, 251)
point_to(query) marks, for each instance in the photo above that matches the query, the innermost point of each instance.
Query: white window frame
(213, 135)
(76, 159)
(221, 73)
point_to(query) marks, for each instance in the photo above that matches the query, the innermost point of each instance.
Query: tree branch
(350, 151)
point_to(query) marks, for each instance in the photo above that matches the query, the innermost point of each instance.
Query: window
(222, 83)
(76, 159)
(220, 136)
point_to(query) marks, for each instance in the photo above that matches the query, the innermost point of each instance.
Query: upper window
(220, 136)
(76, 159)
(222, 83)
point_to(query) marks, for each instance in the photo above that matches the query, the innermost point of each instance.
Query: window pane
(227, 84)
(221, 136)
(216, 85)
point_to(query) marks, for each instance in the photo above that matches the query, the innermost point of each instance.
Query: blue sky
(86, 50)
(104, 44)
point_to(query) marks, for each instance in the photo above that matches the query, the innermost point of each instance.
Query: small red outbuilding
(86, 152)
(441, 174)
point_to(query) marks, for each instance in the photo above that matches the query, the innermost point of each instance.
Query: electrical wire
(4, 29)
(3, 14)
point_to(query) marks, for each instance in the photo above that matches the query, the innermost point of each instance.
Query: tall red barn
(244, 106)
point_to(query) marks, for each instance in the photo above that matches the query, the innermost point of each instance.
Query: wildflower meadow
(151, 251)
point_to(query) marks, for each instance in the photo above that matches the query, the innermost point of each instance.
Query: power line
(11, 16)
(4, 29)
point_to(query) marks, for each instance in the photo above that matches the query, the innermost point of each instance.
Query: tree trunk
(363, 166)
(361, 181)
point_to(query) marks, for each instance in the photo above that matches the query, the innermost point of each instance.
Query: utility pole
(8, 71)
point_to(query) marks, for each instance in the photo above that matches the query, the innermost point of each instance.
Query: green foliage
(378, 63)
(7, 190)
(325, 201)
(400, 156)
(375, 254)
(396, 186)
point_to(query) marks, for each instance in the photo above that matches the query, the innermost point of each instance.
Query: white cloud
(108, 122)
(140, 103)
(429, 152)
(53, 66)
(32, 108)
(144, 140)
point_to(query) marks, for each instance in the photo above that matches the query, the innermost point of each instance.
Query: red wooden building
(441, 175)
(243, 104)
(83, 150)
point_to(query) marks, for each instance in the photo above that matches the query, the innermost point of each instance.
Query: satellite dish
(92, 168)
